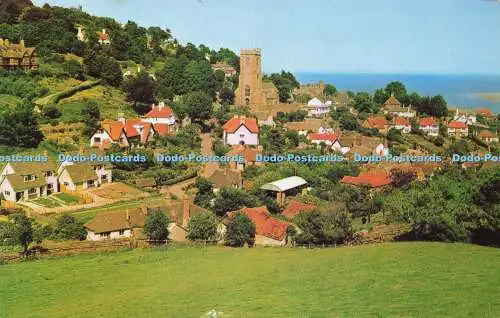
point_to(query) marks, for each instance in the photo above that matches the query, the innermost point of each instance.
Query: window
(50, 186)
(32, 191)
(49, 173)
(121, 232)
(242, 136)
(97, 139)
(247, 91)
(7, 192)
(105, 235)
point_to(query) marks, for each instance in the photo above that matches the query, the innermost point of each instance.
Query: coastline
(491, 97)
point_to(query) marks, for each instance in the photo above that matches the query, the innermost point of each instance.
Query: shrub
(67, 227)
(156, 226)
(240, 231)
(202, 227)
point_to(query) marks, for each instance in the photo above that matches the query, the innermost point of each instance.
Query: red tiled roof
(374, 178)
(249, 154)
(250, 123)
(145, 132)
(485, 112)
(114, 129)
(160, 112)
(457, 124)
(161, 129)
(318, 136)
(265, 225)
(377, 122)
(401, 121)
(130, 130)
(296, 207)
(428, 121)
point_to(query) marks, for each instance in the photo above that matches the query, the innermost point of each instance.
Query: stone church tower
(251, 90)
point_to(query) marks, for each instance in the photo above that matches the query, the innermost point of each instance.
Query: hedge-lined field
(387, 280)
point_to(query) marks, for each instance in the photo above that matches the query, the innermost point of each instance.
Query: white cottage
(241, 130)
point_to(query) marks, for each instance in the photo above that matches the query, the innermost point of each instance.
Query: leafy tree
(51, 111)
(91, 117)
(22, 230)
(276, 140)
(74, 70)
(232, 199)
(102, 66)
(202, 227)
(67, 227)
(394, 135)
(322, 228)
(19, 127)
(240, 231)
(329, 90)
(205, 192)
(156, 226)
(200, 77)
(198, 105)
(226, 96)
(292, 139)
(285, 82)
(140, 90)
(397, 88)
(402, 179)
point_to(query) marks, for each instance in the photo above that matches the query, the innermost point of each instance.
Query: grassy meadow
(386, 280)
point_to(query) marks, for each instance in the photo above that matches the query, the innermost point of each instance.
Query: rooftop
(284, 184)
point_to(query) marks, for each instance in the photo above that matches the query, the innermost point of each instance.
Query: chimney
(22, 43)
(161, 105)
(121, 118)
(185, 212)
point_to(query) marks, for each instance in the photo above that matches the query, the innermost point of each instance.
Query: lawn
(386, 280)
(68, 198)
(46, 202)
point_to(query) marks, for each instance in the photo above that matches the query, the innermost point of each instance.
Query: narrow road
(206, 150)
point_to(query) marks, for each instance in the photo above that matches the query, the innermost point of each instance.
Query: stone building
(17, 56)
(252, 90)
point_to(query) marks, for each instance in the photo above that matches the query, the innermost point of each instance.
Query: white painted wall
(241, 134)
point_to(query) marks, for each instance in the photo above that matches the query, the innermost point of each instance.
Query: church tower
(249, 92)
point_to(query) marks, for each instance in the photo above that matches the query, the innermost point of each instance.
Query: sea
(458, 90)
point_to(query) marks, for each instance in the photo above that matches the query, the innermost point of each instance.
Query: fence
(87, 198)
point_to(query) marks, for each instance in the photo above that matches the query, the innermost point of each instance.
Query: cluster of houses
(159, 121)
(17, 56)
(24, 181)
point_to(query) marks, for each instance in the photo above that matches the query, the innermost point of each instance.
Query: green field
(46, 202)
(386, 280)
(68, 198)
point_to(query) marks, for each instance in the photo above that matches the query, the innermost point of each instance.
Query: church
(252, 91)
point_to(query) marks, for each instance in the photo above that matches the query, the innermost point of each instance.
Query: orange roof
(265, 225)
(161, 129)
(130, 130)
(113, 128)
(103, 36)
(250, 123)
(318, 136)
(296, 207)
(377, 122)
(160, 112)
(486, 134)
(392, 101)
(428, 121)
(145, 133)
(249, 154)
(485, 112)
(401, 121)
(374, 178)
(457, 124)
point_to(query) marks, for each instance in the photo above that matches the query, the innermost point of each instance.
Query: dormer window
(29, 177)
(49, 173)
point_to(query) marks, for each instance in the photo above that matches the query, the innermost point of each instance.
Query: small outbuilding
(281, 187)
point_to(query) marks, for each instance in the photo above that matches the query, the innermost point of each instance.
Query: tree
(19, 127)
(397, 88)
(205, 192)
(240, 231)
(74, 70)
(200, 77)
(51, 111)
(156, 226)
(202, 227)
(172, 79)
(91, 117)
(226, 96)
(22, 230)
(285, 82)
(67, 227)
(232, 199)
(329, 90)
(140, 89)
(401, 178)
(394, 135)
(104, 67)
(198, 105)
(323, 228)
(276, 140)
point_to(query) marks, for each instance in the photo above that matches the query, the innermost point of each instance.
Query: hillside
(10, 9)
(387, 280)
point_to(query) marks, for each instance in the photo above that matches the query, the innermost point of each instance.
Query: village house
(295, 208)
(319, 139)
(402, 124)
(394, 107)
(374, 178)
(316, 108)
(465, 116)
(78, 176)
(115, 225)
(487, 136)
(179, 214)
(249, 155)
(163, 119)
(485, 113)
(457, 129)
(103, 37)
(429, 126)
(241, 130)
(17, 56)
(225, 67)
(226, 178)
(309, 125)
(109, 133)
(80, 35)
(23, 181)
(269, 231)
(377, 122)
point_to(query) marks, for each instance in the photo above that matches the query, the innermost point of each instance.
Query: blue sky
(382, 36)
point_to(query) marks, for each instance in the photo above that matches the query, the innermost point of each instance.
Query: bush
(323, 228)
(240, 231)
(67, 227)
(202, 227)
(156, 226)
(51, 112)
